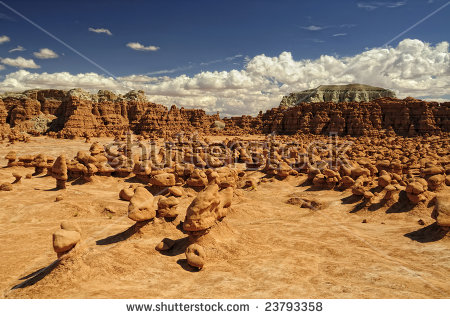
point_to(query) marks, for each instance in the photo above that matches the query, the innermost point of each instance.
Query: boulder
(441, 211)
(167, 207)
(64, 240)
(163, 180)
(141, 206)
(195, 255)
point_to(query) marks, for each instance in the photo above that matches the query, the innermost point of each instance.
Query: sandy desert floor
(265, 248)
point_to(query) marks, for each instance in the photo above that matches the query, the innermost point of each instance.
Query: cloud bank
(413, 68)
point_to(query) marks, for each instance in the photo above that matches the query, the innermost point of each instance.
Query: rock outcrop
(337, 93)
(354, 110)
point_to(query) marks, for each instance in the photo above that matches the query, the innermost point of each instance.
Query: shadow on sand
(133, 229)
(178, 248)
(36, 276)
(428, 234)
(184, 264)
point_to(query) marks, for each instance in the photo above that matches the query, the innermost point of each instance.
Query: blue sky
(191, 37)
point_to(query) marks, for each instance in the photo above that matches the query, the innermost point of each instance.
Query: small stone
(6, 187)
(64, 240)
(195, 255)
(165, 244)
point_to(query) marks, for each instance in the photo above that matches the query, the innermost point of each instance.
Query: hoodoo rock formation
(354, 110)
(80, 113)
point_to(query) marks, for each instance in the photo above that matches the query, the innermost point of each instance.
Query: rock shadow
(351, 199)
(184, 264)
(377, 206)
(36, 276)
(122, 235)
(178, 248)
(359, 207)
(403, 205)
(428, 234)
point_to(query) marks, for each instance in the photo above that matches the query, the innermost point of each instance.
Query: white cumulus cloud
(45, 54)
(100, 30)
(4, 39)
(20, 62)
(412, 68)
(140, 47)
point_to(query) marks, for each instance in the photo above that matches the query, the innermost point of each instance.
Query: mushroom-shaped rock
(384, 180)
(59, 171)
(198, 178)
(195, 255)
(319, 180)
(201, 213)
(167, 207)
(358, 190)
(359, 171)
(346, 182)
(163, 180)
(176, 191)
(64, 240)
(283, 170)
(96, 148)
(40, 164)
(441, 211)
(90, 171)
(17, 177)
(141, 206)
(415, 199)
(435, 181)
(11, 157)
(126, 193)
(227, 177)
(415, 188)
(85, 158)
(433, 170)
(390, 190)
(104, 169)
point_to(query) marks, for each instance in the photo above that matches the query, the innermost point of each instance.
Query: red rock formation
(79, 113)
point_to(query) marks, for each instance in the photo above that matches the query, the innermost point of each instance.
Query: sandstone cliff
(79, 113)
(407, 117)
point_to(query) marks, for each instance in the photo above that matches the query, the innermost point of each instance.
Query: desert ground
(267, 246)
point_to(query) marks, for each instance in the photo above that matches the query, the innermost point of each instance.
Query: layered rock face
(407, 117)
(79, 113)
(3, 115)
(337, 93)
